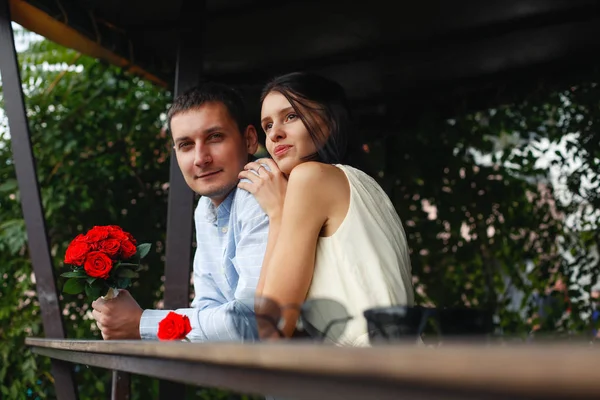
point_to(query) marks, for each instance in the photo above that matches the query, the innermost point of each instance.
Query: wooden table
(312, 371)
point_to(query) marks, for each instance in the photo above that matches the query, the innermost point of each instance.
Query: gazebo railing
(303, 370)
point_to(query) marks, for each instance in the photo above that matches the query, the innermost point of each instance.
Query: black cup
(464, 322)
(397, 322)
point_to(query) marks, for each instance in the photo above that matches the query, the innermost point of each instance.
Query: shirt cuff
(149, 323)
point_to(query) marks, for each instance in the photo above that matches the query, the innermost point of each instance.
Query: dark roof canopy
(388, 55)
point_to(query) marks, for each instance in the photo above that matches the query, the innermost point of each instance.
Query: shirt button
(224, 229)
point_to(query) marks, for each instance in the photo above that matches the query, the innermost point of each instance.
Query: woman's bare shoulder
(315, 172)
(320, 181)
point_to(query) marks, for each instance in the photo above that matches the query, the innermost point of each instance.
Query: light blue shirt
(231, 244)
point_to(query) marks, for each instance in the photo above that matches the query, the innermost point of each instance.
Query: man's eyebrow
(212, 129)
(181, 139)
(208, 131)
(283, 111)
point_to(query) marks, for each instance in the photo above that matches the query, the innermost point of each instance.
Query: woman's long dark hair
(317, 99)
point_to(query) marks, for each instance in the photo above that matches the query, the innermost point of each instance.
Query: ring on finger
(258, 169)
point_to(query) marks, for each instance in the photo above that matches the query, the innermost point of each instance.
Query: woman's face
(287, 139)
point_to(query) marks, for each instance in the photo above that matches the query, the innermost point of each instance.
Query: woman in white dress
(334, 233)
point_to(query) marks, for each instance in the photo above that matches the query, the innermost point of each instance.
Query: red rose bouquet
(103, 260)
(174, 327)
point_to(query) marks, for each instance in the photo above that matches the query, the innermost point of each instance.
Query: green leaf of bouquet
(73, 286)
(74, 274)
(93, 292)
(90, 280)
(99, 284)
(123, 283)
(143, 250)
(128, 265)
(126, 273)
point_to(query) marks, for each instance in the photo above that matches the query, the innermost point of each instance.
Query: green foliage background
(102, 158)
(484, 234)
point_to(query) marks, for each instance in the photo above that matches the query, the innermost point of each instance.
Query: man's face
(211, 150)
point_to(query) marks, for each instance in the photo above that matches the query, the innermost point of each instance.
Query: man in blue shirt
(212, 142)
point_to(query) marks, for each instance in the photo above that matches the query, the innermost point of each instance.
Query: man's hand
(118, 318)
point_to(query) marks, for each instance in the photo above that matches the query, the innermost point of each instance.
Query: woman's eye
(291, 117)
(184, 144)
(268, 126)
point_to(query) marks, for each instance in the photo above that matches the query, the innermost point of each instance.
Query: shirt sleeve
(212, 317)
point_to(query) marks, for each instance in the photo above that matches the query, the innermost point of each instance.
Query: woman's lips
(281, 149)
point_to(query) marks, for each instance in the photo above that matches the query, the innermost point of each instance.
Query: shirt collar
(212, 213)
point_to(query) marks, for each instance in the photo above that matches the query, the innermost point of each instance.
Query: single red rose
(114, 232)
(174, 327)
(80, 238)
(77, 251)
(110, 246)
(96, 234)
(128, 249)
(97, 264)
(130, 236)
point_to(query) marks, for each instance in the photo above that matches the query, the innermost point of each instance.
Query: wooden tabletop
(554, 370)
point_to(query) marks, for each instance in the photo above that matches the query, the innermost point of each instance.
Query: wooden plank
(31, 203)
(546, 371)
(299, 386)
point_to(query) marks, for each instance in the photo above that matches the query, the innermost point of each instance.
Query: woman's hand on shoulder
(268, 186)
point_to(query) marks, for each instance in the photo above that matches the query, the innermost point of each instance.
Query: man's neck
(218, 200)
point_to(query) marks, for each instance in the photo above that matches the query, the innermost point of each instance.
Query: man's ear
(251, 137)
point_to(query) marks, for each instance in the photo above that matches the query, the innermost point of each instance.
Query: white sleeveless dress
(364, 264)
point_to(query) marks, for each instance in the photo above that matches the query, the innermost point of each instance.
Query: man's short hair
(211, 92)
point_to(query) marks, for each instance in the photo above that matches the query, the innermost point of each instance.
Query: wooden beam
(31, 202)
(35, 20)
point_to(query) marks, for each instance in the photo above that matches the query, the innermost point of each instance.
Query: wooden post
(181, 198)
(33, 213)
(120, 389)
